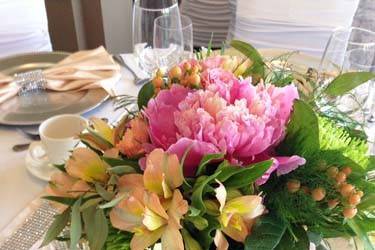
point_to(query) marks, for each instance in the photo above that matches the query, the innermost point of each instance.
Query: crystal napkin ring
(30, 82)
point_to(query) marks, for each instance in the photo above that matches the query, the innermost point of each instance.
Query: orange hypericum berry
(293, 186)
(332, 172)
(195, 69)
(340, 177)
(349, 212)
(354, 199)
(175, 72)
(194, 80)
(360, 193)
(346, 189)
(187, 66)
(333, 203)
(346, 170)
(158, 82)
(318, 194)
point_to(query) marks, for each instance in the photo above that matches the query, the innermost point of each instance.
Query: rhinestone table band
(32, 230)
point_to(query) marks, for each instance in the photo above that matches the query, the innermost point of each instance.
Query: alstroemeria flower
(144, 215)
(237, 215)
(63, 185)
(101, 136)
(86, 165)
(132, 143)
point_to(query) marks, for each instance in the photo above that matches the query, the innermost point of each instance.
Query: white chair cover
(23, 27)
(303, 25)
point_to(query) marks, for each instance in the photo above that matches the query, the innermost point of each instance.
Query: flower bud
(159, 73)
(175, 72)
(318, 194)
(346, 170)
(333, 203)
(354, 199)
(293, 186)
(194, 80)
(195, 69)
(346, 189)
(340, 177)
(187, 66)
(349, 212)
(332, 172)
(158, 82)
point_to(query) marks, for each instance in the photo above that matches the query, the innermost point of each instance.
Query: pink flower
(229, 116)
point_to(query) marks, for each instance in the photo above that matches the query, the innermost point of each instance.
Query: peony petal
(145, 239)
(289, 163)
(221, 242)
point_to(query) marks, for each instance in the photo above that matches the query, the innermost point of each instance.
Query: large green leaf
(145, 94)
(347, 81)
(96, 227)
(257, 69)
(245, 176)
(115, 162)
(103, 192)
(206, 236)
(56, 227)
(189, 242)
(266, 234)
(121, 170)
(288, 242)
(206, 160)
(76, 225)
(302, 136)
(361, 233)
(199, 191)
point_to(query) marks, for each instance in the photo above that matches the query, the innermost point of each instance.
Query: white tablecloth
(17, 186)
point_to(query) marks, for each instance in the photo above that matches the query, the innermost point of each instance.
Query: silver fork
(137, 80)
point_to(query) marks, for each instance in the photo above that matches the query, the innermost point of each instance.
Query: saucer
(40, 167)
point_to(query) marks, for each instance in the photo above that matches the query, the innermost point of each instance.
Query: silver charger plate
(34, 109)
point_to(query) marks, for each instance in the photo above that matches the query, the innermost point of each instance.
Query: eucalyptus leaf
(266, 234)
(114, 162)
(189, 242)
(124, 169)
(63, 200)
(145, 94)
(90, 203)
(113, 202)
(257, 69)
(96, 227)
(245, 176)
(104, 193)
(61, 220)
(199, 191)
(76, 225)
(347, 81)
(206, 160)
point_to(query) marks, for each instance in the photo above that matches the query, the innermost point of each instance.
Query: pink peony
(230, 116)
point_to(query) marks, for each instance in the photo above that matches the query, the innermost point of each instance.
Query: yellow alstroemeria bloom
(143, 214)
(86, 165)
(163, 173)
(236, 216)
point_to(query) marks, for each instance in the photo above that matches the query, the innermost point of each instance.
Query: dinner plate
(35, 108)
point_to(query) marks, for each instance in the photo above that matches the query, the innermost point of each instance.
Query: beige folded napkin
(82, 70)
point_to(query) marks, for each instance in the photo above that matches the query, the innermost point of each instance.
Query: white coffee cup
(58, 136)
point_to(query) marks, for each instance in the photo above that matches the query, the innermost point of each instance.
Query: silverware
(137, 80)
(20, 147)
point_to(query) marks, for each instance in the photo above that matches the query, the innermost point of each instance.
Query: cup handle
(37, 152)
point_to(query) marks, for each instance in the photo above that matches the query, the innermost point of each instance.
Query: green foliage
(75, 225)
(117, 240)
(61, 220)
(114, 162)
(266, 234)
(206, 160)
(189, 242)
(361, 233)
(347, 81)
(120, 170)
(302, 136)
(257, 69)
(295, 239)
(96, 227)
(145, 94)
(108, 196)
(200, 188)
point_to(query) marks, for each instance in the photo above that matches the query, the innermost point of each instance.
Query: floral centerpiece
(217, 157)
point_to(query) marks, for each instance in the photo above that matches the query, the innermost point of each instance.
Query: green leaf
(206, 236)
(113, 202)
(104, 193)
(207, 159)
(361, 234)
(114, 162)
(145, 94)
(302, 137)
(96, 227)
(199, 191)
(60, 167)
(76, 225)
(266, 234)
(198, 221)
(120, 170)
(257, 69)
(90, 203)
(61, 220)
(347, 81)
(245, 176)
(189, 242)
(296, 241)
(367, 203)
(63, 200)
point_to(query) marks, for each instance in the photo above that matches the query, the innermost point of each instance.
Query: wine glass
(173, 40)
(144, 14)
(349, 49)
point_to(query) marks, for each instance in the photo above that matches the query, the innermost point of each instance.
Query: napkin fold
(79, 71)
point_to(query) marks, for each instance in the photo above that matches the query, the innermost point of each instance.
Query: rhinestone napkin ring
(30, 82)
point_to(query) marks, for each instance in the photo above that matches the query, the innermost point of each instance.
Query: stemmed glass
(350, 49)
(173, 41)
(144, 14)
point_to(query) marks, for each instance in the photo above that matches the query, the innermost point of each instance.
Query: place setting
(175, 146)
